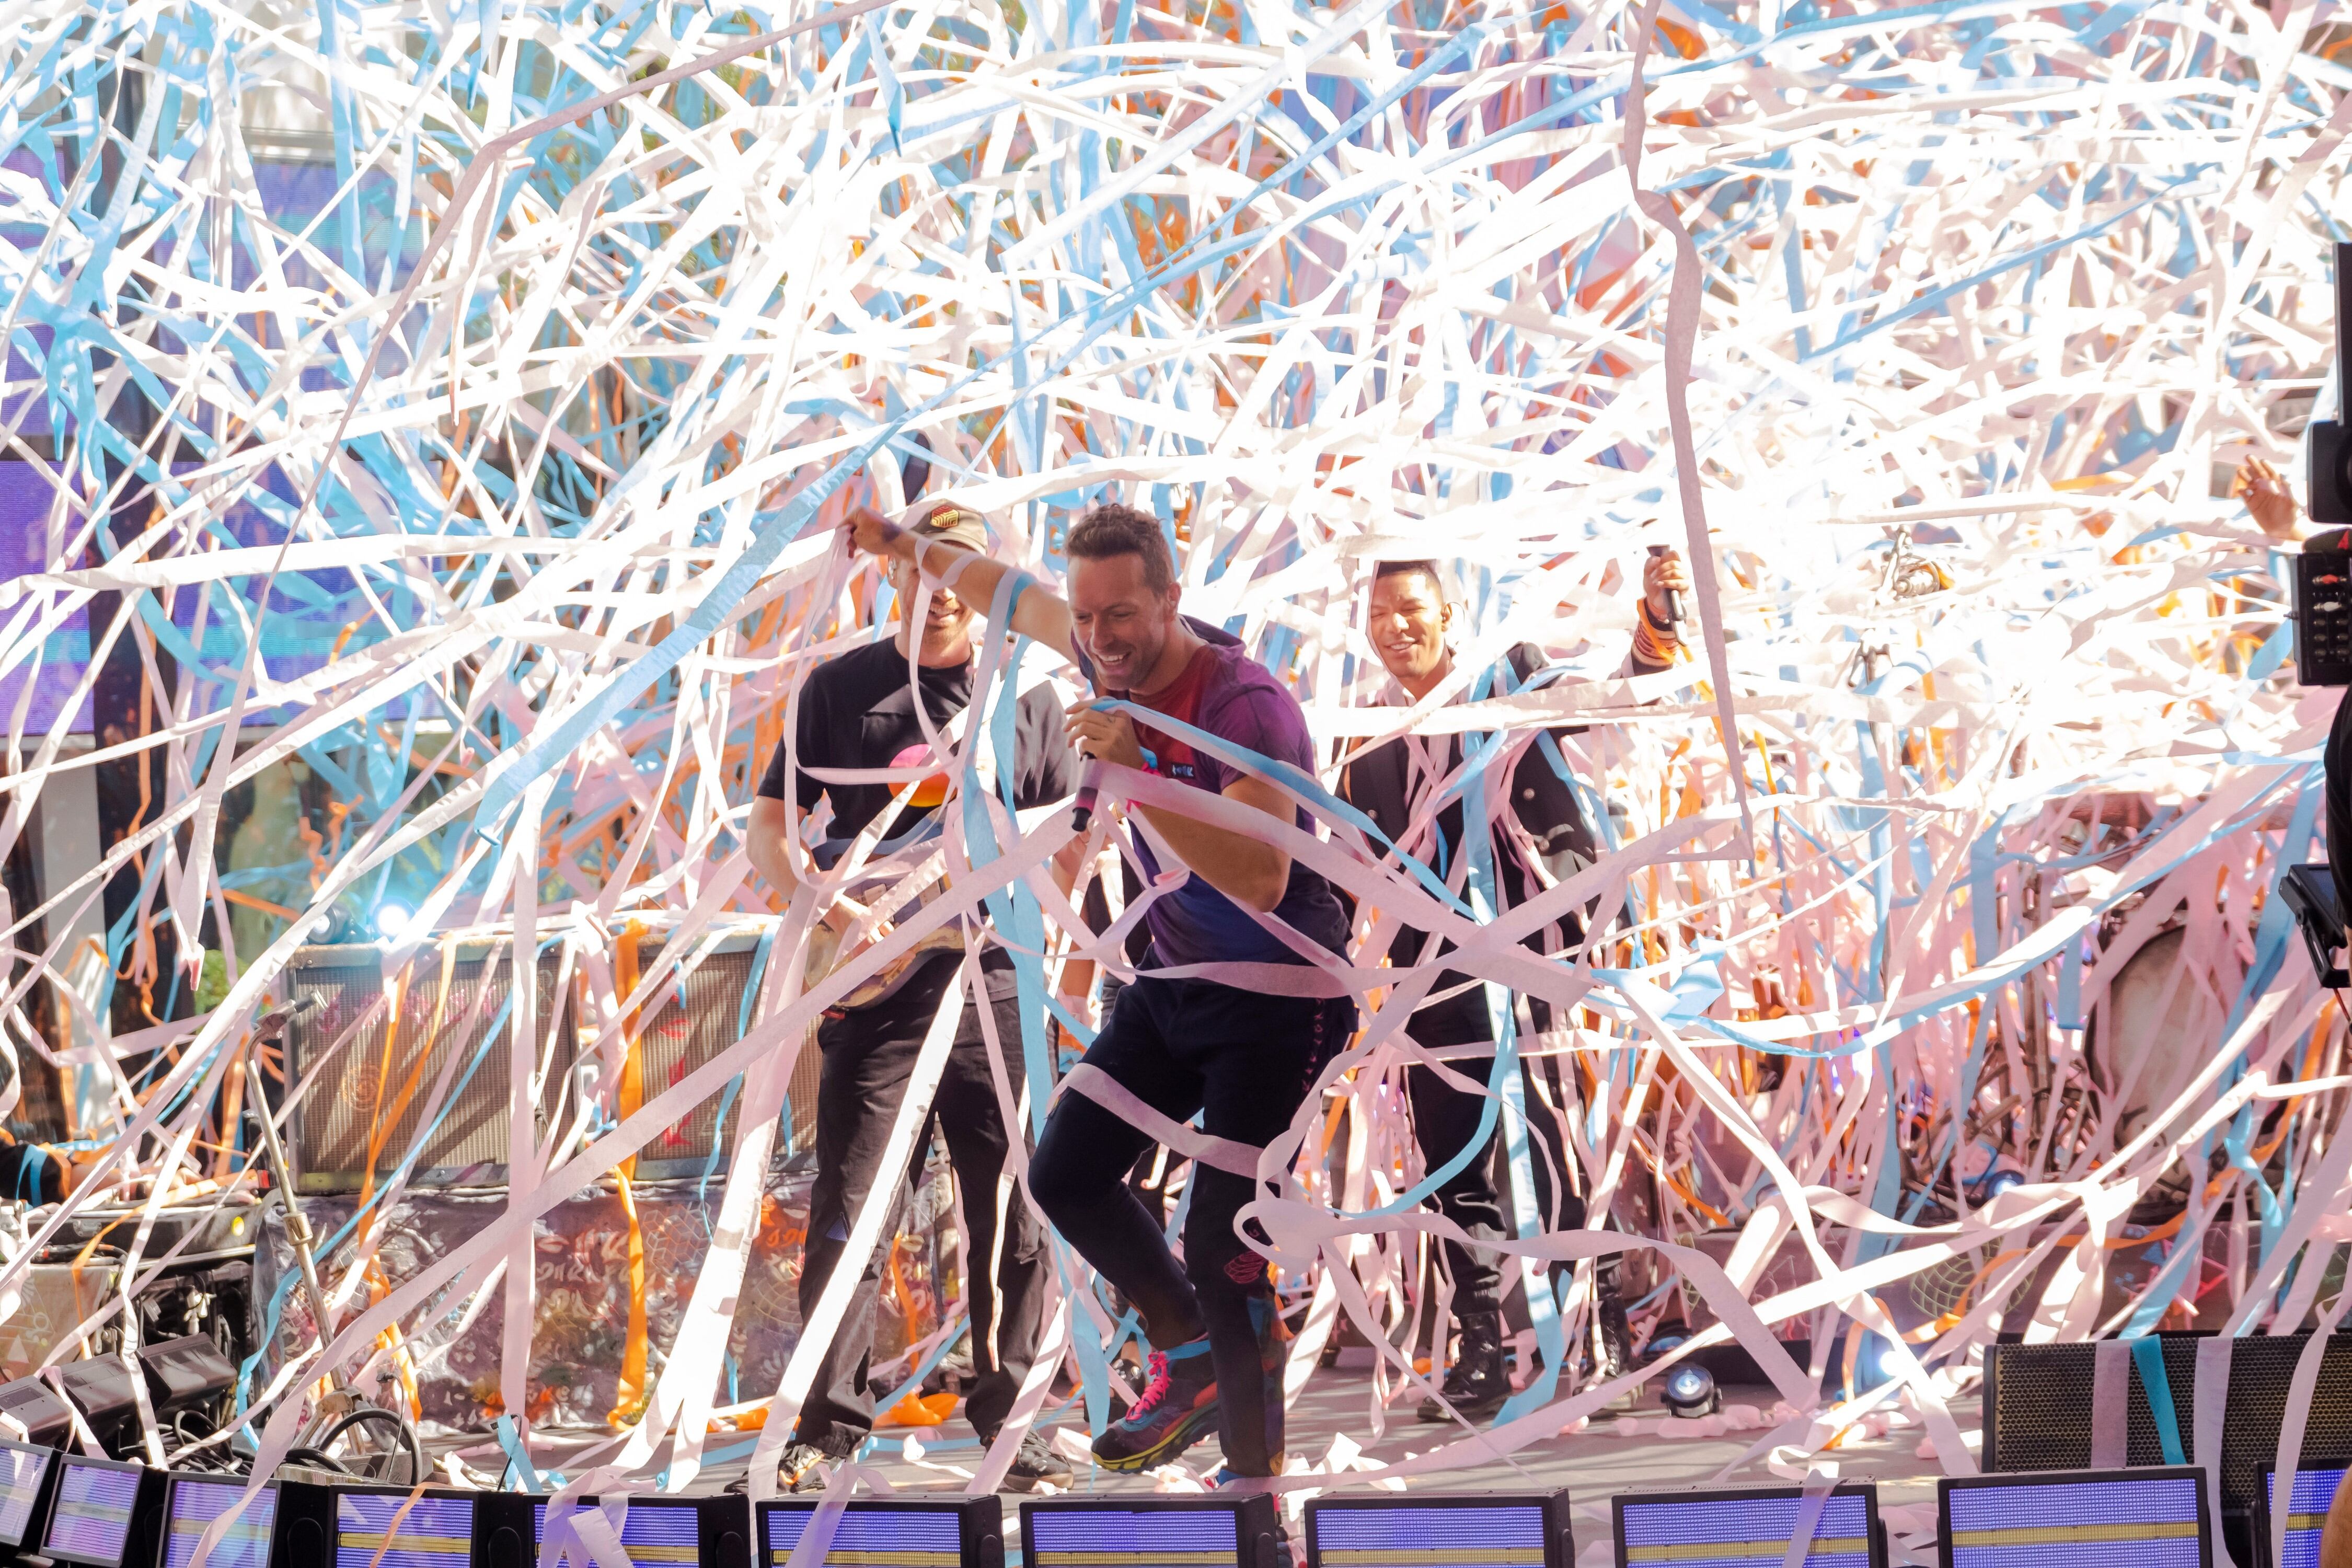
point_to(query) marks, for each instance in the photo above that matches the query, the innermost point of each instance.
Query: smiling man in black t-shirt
(857, 713)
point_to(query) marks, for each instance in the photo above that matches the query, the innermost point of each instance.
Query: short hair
(1112, 530)
(1406, 568)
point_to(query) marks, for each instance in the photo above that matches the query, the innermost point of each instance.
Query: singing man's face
(1119, 620)
(1409, 616)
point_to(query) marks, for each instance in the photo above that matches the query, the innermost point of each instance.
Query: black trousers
(1445, 1119)
(868, 1056)
(1243, 1062)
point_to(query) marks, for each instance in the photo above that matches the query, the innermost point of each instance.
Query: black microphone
(1675, 613)
(1082, 809)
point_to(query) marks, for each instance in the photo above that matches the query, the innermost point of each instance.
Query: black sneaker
(806, 1466)
(1035, 1464)
(1179, 1408)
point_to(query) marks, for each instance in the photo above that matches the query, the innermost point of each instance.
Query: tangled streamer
(460, 401)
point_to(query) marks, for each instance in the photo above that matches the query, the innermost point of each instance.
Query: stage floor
(1594, 1463)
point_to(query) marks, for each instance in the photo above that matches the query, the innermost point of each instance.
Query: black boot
(1476, 1383)
(1615, 1357)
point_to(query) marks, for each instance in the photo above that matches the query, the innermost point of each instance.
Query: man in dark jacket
(1392, 784)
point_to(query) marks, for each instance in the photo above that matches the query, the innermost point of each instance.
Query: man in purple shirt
(1184, 1043)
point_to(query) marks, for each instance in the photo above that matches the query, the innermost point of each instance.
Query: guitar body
(825, 952)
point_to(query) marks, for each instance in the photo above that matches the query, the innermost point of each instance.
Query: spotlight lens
(1688, 1384)
(391, 919)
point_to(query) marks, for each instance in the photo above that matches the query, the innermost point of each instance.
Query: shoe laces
(1155, 1386)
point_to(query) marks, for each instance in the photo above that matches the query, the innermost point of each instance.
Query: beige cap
(947, 520)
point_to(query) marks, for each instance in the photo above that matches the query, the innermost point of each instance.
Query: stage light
(1999, 1181)
(1751, 1526)
(105, 1514)
(26, 1474)
(392, 919)
(708, 1532)
(361, 1523)
(1477, 1529)
(1874, 1363)
(1217, 1531)
(1690, 1392)
(966, 1533)
(192, 1503)
(1992, 1520)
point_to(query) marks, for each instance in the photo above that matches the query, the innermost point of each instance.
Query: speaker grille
(2259, 1372)
(365, 1081)
(700, 1016)
(693, 1021)
(2038, 1407)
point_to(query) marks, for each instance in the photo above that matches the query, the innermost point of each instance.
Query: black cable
(377, 1413)
(316, 1460)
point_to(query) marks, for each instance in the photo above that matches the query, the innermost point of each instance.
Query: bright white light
(322, 928)
(392, 919)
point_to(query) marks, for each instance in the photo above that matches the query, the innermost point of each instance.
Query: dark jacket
(1379, 783)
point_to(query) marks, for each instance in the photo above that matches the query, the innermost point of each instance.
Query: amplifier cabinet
(687, 1019)
(386, 1069)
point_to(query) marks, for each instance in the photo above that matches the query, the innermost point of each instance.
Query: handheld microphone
(1082, 809)
(1675, 612)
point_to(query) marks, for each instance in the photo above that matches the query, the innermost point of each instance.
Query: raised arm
(1658, 636)
(1039, 614)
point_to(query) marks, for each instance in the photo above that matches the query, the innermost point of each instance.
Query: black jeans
(868, 1056)
(1445, 1118)
(1244, 1062)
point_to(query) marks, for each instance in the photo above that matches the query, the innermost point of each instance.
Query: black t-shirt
(858, 711)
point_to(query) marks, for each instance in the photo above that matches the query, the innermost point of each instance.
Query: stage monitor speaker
(390, 1066)
(191, 1504)
(1469, 1530)
(2037, 1404)
(2153, 1518)
(100, 1388)
(40, 1410)
(184, 1372)
(1210, 1531)
(1749, 1525)
(959, 1533)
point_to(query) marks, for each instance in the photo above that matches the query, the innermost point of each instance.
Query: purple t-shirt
(1226, 693)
